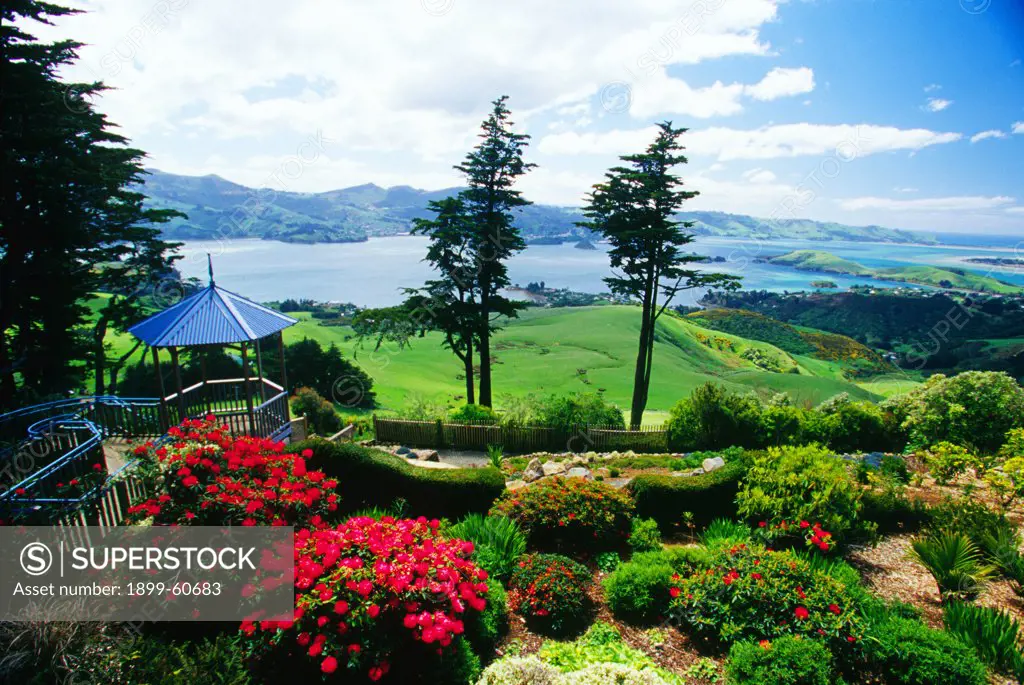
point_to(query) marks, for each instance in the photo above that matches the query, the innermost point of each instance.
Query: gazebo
(217, 317)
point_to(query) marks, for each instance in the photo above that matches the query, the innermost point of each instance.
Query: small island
(823, 285)
(585, 244)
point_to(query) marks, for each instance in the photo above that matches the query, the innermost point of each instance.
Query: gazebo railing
(226, 399)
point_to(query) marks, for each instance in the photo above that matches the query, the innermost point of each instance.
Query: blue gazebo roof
(213, 316)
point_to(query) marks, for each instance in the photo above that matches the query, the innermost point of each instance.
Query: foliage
(638, 590)
(644, 535)
(1007, 480)
(994, 635)
(666, 499)
(473, 413)
(516, 670)
(372, 594)
(495, 456)
(970, 517)
(1002, 546)
(792, 485)
(44, 652)
(713, 418)
(607, 562)
(486, 629)
(955, 562)
(789, 660)
(755, 593)
(946, 461)
(891, 510)
(368, 477)
(569, 412)
(847, 426)
(498, 542)
(601, 644)
(724, 532)
(635, 210)
(326, 371)
(908, 652)
(574, 512)
(207, 477)
(550, 592)
(318, 412)
(974, 409)
(219, 661)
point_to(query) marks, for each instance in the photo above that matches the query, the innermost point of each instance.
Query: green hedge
(372, 478)
(667, 498)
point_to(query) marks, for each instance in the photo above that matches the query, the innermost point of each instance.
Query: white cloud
(993, 133)
(937, 104)
(1015, 210)
(844, 141)
(932, 86)
(1018, 127)
(931, 204)
(780, 82)
(898, 189)
(759, 176)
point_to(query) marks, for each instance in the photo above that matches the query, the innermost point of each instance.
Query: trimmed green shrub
(954, 562)
(498, 542)
(567, 412)
(372, 478)
(908, 652)
(550, 592)
(517, 670)
(994, 635)
(588, 658)
(644, 535)
(667, 499)
(786, 661)
(484, 630)
(798, 485)
(570, 513)
(473, 413)
(638, 590)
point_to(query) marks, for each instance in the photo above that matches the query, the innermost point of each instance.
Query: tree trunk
(485, 346)
(636, 412)
(468, 361)
(99, 356)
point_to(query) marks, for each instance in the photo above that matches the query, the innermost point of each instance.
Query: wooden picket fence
(518, 439)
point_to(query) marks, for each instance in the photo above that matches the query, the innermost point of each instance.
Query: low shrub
(607, 562)
(368, 477)
(790, 485)
(517, 670)
(568, 412)
(724, 532)
(551, 592)
(1007, 479)
(219, 661)
(498, 542)
(754, 593)
(597, 649)
(954, 562)
(638, 590)
(571, 513)
(890, 510)
(994, 635)
(473, 413)
(644, 535)
(906, 651)
(714, 418)
(485, 629)
(788, 660)
(1003, 548)
(946, 461)
(849, 426)
(319, 412)
(206, 476)
(971, 517)
(667, 499)
(371, 595)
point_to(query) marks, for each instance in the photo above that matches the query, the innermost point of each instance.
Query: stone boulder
(515, 484)
(579, 472)
(403, 450)
(712, 464)
(533, 471)
(553, 468)
(426, 455)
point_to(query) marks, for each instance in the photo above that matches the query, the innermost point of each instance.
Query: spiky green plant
(1003, 547)
(994, 635)
(496, 455)
(954, 562)
(724, 532)
(498, 540)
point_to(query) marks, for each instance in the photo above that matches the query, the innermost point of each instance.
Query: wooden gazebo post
(165, 420)
(182, 415)
(248, 391)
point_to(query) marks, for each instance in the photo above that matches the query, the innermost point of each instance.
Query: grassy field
(585, 349)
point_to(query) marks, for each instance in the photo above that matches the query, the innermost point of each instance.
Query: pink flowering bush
(370, 593)
(206, 476)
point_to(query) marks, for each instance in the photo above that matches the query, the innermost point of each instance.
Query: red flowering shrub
(574, 512)
(205, 476)
(550, 591)
(370, 593)
(784, 533)
(751, 593)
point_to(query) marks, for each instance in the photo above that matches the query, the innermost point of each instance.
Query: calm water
(373, 273)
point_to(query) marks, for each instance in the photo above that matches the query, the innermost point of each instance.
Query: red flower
(802, 613)
(329, 665)
(834, 608)
(674, 592)
(765, 644)
(804, 524)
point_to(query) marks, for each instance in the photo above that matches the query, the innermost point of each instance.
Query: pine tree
(634, 209)
(69, 209)
(492, 169)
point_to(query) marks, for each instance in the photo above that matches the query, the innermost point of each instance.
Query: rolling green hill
(935, 276)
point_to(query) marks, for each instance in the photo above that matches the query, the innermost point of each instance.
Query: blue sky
(855, 111)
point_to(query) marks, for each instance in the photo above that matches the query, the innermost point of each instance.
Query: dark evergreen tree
(492, 169)
(70, 214)
(634, 209)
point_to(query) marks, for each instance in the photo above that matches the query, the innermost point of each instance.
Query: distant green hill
(935, 276)
(218, 208)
